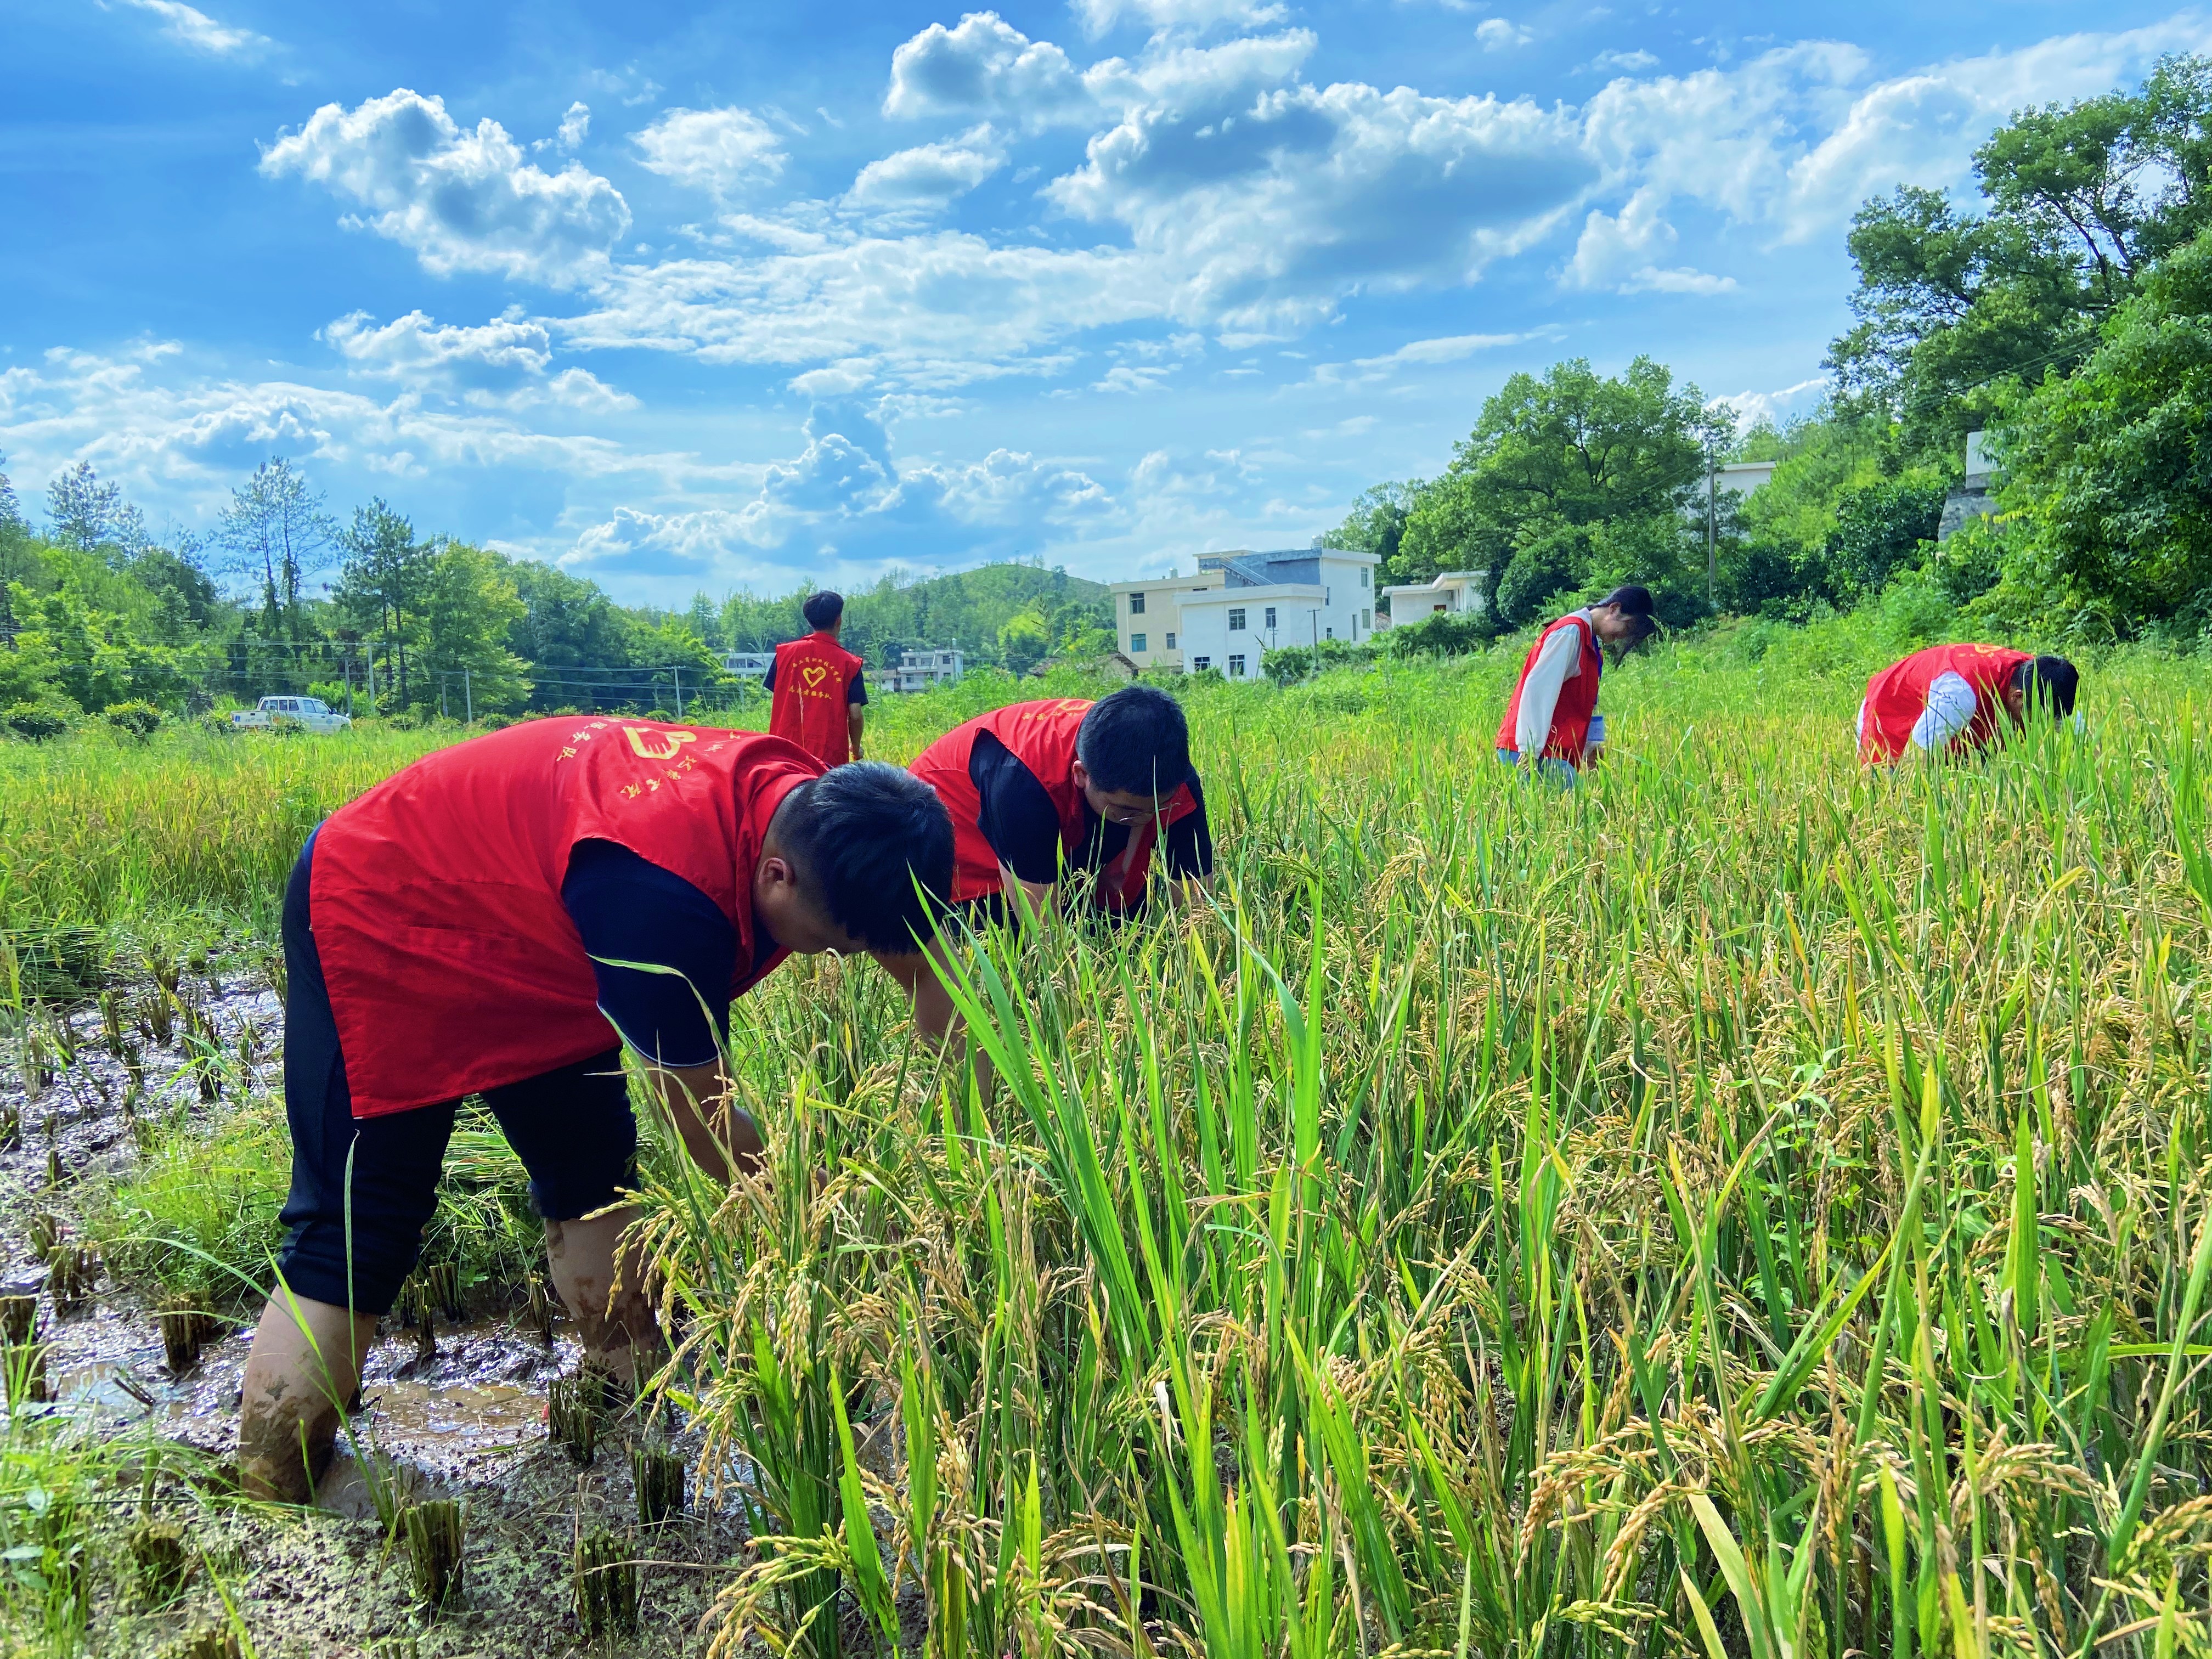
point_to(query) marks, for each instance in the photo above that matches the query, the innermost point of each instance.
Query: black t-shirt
(630, 910)
(1018, 820)
(856, 693)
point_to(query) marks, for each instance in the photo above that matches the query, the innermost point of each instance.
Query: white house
(1148, 616)
(1270, 601)
(918, 670)
(748, 664)
(1452, 592)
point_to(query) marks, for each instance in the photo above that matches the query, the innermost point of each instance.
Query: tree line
(98, 611)
(2066, 313)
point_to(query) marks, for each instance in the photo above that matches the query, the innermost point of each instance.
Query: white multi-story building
(1454, 592)
(918, 670)
(1269, 601)
(1148, 616)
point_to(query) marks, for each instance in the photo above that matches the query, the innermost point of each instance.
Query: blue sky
(688, 298)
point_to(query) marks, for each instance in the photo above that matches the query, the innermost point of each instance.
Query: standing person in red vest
(1954, 698)
(1551, 720)
(816, 688)
(490, 920)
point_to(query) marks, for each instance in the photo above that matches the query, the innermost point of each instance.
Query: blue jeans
(1554, 770)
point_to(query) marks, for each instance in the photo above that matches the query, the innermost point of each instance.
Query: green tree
(466, 607)
(1025, 640)
(1376, 524)
(276, 534)
(380, 585)
(1960, 311)
(81, 509)
(90, 654)
(1569, 478)
(2110, 468)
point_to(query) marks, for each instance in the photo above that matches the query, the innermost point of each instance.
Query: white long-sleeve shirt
(1559, 662)
(1950, 710)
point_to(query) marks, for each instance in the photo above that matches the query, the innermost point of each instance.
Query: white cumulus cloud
(919, 181)
(986, 66)
(726, 151)
(1496, 35)
(504, 363)
(462, 199)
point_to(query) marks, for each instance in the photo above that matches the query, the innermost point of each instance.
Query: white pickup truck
(311, 713)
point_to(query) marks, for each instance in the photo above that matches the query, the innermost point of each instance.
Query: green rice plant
(436, 1529)
(604, 1578)
(1748, 1205)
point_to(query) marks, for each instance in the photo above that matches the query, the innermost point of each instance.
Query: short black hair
(824, 610)
(2050, 684)
(1135, 742)
(861, 836)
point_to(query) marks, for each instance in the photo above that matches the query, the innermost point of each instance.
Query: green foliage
(93, 656)
(1441, 634)
(466, 609)
(2108, 469)
(36, 722)
(1376, 524)
(136, 719)
(1548, 565)
(1025, 640)
(1959, 312)
(1298, 662)
(965, 608)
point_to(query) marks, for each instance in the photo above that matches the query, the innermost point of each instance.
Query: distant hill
(963, 608)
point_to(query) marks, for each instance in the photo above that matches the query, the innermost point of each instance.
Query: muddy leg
(306, 1363)
(605, 1298)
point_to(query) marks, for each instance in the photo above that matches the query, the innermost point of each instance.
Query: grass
(1748, 1205)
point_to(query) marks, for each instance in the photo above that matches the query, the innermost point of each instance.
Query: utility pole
(1712, 539)
(468, 698)
(677, 670)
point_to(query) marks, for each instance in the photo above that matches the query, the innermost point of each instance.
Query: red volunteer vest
(1898, 695)
(436, 897)
(1041, 735)
(808, 707)
(1570, 715)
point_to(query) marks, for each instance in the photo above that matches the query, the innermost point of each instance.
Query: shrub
(1442, 634)
(36, 722)
(1295, 662)
(1547, 565)
(137, 720)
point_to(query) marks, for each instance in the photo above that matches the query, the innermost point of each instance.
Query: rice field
(1745, 1207)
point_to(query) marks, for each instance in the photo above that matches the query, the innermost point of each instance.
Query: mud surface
(467, 1423)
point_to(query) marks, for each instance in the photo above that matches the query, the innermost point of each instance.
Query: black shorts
(377, 1177)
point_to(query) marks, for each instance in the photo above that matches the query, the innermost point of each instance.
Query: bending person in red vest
(1042, 791)
(1954, 698)
(1551, 720)
(815, 688)
(489, 921)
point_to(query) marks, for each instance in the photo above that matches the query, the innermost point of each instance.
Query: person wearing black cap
(1552, 722)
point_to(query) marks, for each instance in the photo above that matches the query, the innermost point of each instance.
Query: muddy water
(469, 1423)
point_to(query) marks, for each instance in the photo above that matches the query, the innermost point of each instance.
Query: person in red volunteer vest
(1552, 722)
(1952, 699)
(816, 686)
(1042, 791)
(503, 918)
